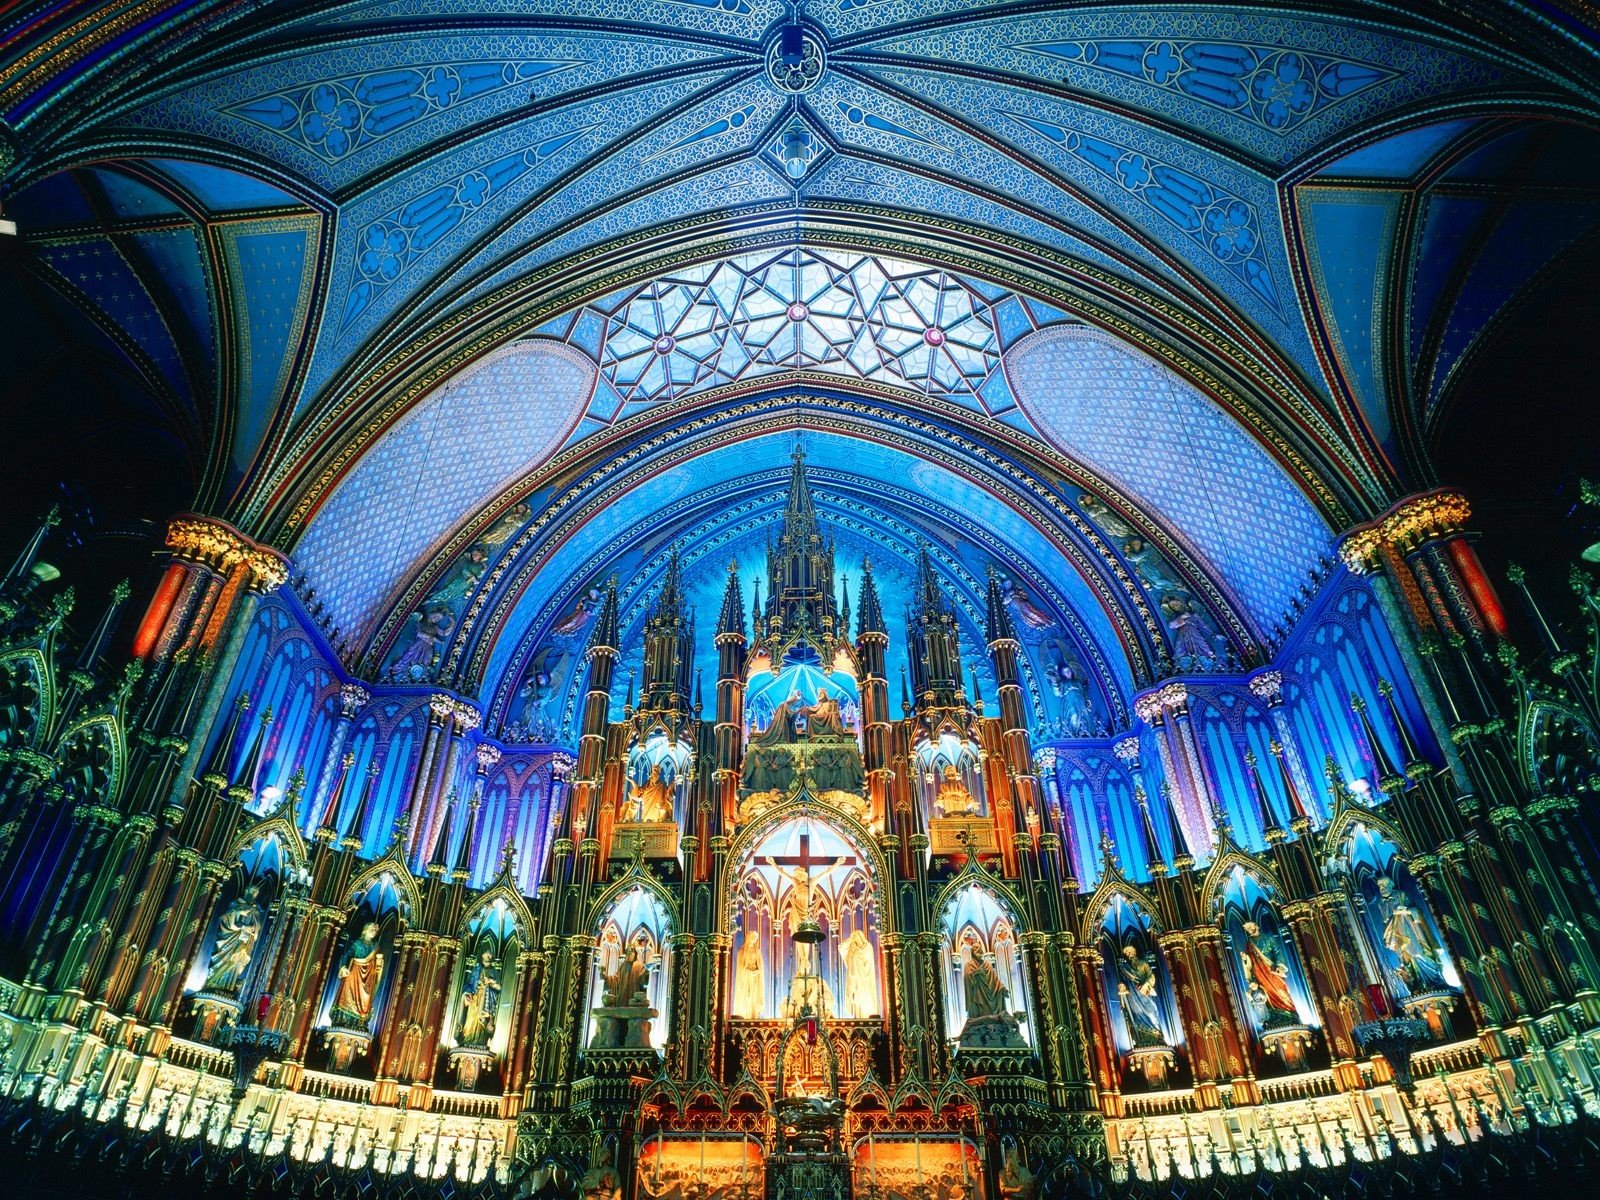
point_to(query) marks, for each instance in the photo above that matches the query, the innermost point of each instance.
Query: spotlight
(796, 152)
(8, 227)
(791, 46)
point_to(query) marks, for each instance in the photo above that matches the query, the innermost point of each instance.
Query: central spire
(800, 585)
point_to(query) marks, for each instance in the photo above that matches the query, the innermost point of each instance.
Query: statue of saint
(1136, 990)
(823, 719)
(651, 801)
(480, 1001)
(1266, 968)
(1407, 937)
(781, 731)
(750, 979)
(628, 985)
(953, 799)
(601, 1181)
(986, 991)
(860, 977)
(359, 975)
(238, 929)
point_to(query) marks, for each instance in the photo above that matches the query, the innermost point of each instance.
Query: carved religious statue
(860, 977)
(798, 904)
(1136, 990)
(986, 992)
(1266, 972)
(823, 719)
(1406, 936)
(359, 975)
(750, 979)
(480, 1001)
(624, 1015)
(953, 799)
(651, 801)
(238, 930)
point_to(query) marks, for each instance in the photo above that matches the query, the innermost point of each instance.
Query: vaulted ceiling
(383, 271)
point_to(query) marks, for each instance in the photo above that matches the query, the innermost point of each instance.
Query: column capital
(209, 542)
(1267, 686)
(1127, 750)
(352, 699)
(1409, 523)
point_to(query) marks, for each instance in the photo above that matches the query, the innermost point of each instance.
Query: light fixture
(796, 152)
(8, 227)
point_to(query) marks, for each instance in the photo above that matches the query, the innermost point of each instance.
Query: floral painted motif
(1226, 226)
(340, 116)
(1277, 89)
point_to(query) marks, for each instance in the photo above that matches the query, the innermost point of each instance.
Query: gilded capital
(211, 543)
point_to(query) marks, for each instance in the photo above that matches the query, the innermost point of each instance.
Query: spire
(605, 626)
(1297, 806)
(731, 620)
(1269, 817)
(869, 613)
(1388, 776)
(250, 769)
(441, 848)
(800, 515)
(1153, 854)
(463, 864)
(355, 838)
(1181, 857)
(341, 785)
(95, 644)
(1408, 748)
(230, 734)
(755, 600)
(929, 594)
(844, 603)
(997, 625)
(24, 564)
(670, 598)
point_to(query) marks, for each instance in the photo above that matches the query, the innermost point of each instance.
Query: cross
(804, 859)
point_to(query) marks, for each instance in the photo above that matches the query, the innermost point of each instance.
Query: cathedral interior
(829, 600)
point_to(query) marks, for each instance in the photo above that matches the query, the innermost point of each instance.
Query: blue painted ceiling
(1177, 291)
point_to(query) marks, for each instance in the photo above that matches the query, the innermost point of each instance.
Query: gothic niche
(986, 1000)
(805, 870)
(629, 982)
(950, 785)
(479, 1021)
(1402, 937)
(219, 973)
(1138, 992)
(358, 988)
(650, 809)
(802, 716)
(1266, 970)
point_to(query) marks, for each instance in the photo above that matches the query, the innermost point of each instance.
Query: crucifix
(800, 900)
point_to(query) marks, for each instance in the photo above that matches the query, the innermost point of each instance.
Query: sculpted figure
(480, 1000)
(1136, 989)
(1406, 935)
(359, 975)
(750, 981)
(1265, 967)
(237, 932)
(651, 801)
(953, 799)
(860, 977)
(986, 991)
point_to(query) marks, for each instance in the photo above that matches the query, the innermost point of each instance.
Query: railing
(196, 1056)
(465, 1104)
(1158, 1104)
(335, 1087)
(1298, 1087)
(1456, 1057)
